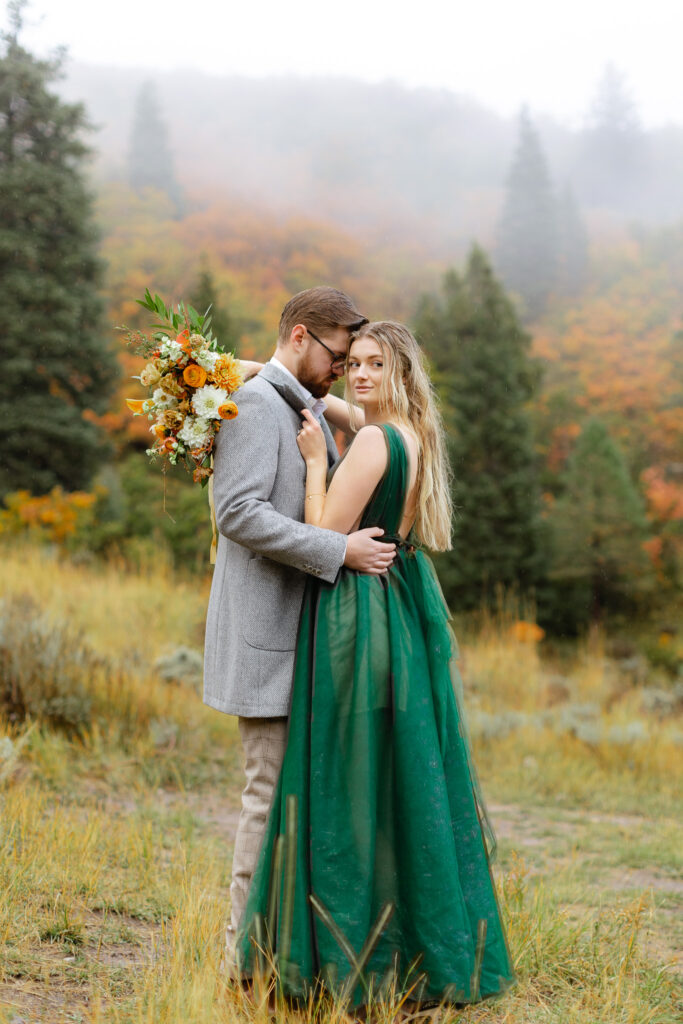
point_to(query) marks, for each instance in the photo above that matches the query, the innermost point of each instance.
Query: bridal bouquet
(190, 379)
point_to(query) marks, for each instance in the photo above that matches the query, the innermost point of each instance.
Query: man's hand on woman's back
(365, 553)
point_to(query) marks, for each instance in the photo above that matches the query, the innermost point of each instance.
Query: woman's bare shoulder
(367, 453)
(372, 433)
(368, 442)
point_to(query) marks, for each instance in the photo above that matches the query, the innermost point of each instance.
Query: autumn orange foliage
(52, 517)
(526, 632)
(606, 351)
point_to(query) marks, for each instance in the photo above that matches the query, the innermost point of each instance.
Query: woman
(374, 875)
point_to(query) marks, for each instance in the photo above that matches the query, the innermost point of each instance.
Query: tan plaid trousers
(263, 744)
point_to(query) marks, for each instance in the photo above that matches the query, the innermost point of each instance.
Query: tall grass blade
(482, 926)
(274, 892)
(287, 907)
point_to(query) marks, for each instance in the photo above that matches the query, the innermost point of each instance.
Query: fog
(501, 54)
(405, 160)
(368, 116)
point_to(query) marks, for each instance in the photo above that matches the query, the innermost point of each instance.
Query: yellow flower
(172, 419)
(226, 373)
(80, 499)
(171, 386)
(135, 404)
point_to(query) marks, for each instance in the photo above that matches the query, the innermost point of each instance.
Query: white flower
(206, 401)
(207, 359)
(163, 401)
(172, 350)
(194, 431)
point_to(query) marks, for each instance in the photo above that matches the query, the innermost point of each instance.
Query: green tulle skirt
(374, 874)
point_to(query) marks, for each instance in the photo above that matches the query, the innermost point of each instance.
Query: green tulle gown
(374, 874)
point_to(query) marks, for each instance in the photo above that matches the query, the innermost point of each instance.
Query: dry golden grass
(129, 612)
(115, 842)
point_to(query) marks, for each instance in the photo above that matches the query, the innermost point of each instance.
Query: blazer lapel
(332, 450)
(294, 398)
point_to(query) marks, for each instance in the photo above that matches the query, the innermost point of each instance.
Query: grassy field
(116, 821)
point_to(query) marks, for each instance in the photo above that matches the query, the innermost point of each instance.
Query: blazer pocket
(272, 605)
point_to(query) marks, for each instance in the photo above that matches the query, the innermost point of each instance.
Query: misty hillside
(380, 156)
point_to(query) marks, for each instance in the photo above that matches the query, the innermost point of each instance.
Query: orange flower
(201, 473)
(160, 431)
(169, 445)
(226, 374)
(184, 340)
(135, 404)
(194, 375)
(227, 411)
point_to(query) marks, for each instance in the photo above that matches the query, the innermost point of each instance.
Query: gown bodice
(387, 502)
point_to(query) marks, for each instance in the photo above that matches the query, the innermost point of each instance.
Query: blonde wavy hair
(407, 396)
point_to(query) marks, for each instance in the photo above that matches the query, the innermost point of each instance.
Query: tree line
(578, 546)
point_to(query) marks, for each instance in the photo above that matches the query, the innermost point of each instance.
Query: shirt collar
(319, 405)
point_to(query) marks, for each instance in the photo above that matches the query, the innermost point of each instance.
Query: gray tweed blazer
(264, 550)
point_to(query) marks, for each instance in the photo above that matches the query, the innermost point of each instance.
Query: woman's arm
(337, 413)
(249, 368)
(352, 484)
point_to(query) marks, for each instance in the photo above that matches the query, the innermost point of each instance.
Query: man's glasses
(338, 362)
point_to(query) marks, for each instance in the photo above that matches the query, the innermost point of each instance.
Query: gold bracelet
(315, 496)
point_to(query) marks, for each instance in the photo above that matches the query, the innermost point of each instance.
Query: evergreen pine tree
(598, 526)
(205, 295)
(573, 244)
(150, 163)
(526, 252)
(613, 158)
(56, 362)
(485, 377)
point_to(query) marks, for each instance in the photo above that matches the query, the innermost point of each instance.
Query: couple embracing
(363, 849)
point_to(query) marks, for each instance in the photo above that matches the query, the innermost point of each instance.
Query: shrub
(45, 667)
(52, 517)
(665, 656)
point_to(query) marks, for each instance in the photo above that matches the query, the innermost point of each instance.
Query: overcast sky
(503, 52)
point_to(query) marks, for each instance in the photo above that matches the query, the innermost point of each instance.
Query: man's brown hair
(322, 309)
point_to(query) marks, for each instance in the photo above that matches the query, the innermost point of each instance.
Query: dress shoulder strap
(385, 508)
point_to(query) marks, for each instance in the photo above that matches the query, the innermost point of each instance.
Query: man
(265, 549)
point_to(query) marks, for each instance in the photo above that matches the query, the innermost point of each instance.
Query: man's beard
(313, 384)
